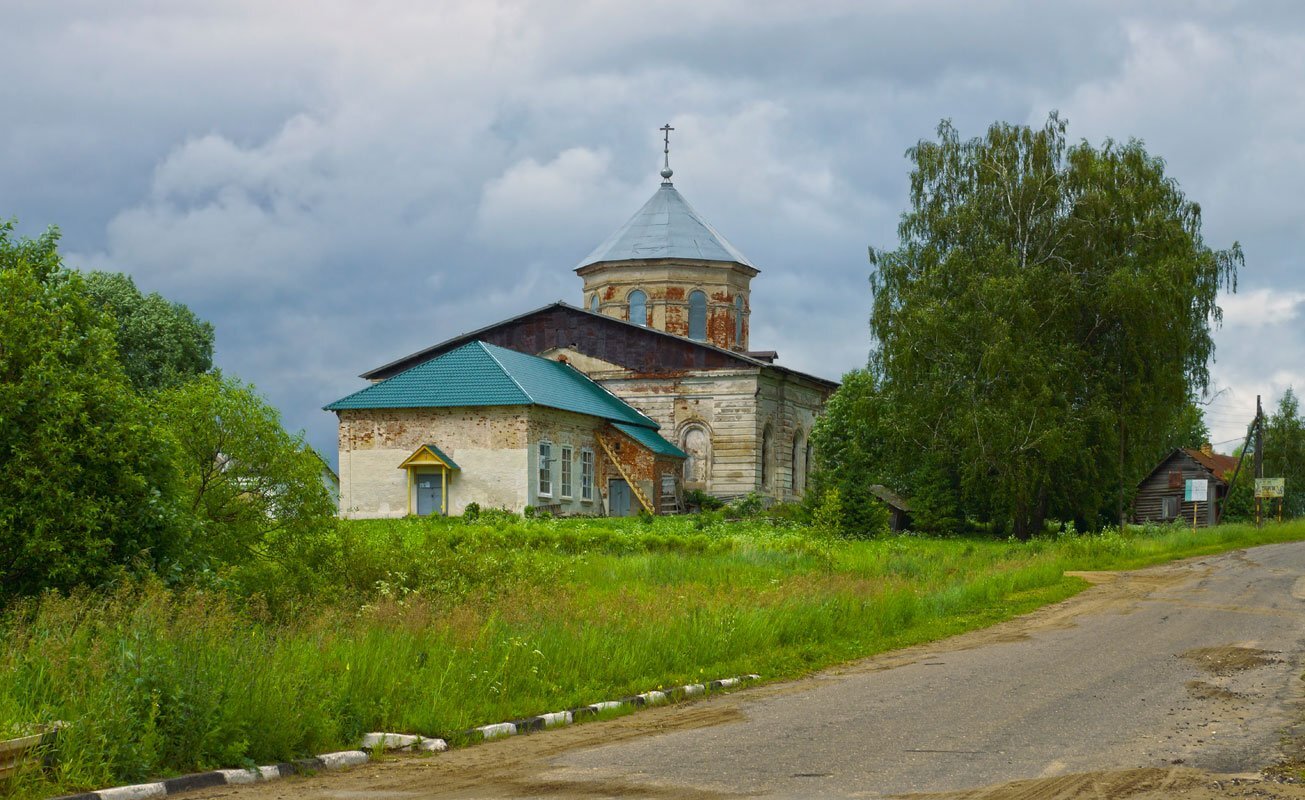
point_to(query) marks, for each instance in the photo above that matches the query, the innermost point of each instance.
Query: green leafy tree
(1042, 325)
(848, 440)
(84, 480)
(1187, 430)
(1284, 452)
(160, 343)
(253, 490)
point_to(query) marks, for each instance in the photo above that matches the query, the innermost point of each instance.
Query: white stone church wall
(721, 401)
(488, 444)
(790, 406)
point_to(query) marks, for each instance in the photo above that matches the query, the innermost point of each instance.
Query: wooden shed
(899, 509)
(1160, 494)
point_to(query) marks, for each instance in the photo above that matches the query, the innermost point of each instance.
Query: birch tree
(1045, 319)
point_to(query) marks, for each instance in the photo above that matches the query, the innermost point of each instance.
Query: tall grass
(434, 628)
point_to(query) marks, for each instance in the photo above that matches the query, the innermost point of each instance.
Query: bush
(254, 491)
(750, 505)
(702, 501)
(497, 517)
(789, 514)
(472, 512)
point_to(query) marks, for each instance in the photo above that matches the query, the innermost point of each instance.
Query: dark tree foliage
(83, 480)
(1043, 324)
(160, 343)
(1188, 430)
(846, 438)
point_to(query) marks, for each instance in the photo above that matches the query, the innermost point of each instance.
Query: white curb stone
(140, 791)
(389, 741)
(344, 758)
(237, 777)
(402, 741)
(498, 729)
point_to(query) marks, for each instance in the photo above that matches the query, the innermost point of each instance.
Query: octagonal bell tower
(669, 269)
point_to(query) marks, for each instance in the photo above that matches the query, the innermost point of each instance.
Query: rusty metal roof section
(1218, 463)
(666, 227)
(642, 349)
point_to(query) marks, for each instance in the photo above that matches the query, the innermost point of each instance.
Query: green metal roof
(441, 456)
(650, 439)
(482, 374)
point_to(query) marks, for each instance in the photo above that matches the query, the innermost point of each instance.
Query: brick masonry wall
(734, 407)
(668, 286)
(489, 444)
(720, 401)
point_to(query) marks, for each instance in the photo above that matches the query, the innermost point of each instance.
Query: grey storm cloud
(335, 185)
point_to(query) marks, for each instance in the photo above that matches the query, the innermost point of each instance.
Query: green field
(432, 627)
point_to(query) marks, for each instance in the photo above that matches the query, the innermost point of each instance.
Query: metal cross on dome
(667, 172)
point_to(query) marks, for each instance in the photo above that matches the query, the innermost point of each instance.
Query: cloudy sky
(336, 184)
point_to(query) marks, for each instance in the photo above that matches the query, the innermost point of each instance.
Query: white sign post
(1195, 492)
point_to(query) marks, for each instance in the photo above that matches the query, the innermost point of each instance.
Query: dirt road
(1177, 681)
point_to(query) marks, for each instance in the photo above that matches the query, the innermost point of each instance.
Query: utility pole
(1259, 438)
(1259, 454)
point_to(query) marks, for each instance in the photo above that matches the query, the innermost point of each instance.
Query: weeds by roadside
(435, 627)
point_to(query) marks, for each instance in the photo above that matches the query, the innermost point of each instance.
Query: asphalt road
(1169, 674)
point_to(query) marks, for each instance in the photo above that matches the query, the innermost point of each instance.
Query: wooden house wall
(1147, 506)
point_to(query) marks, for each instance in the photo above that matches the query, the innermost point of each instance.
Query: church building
(663, 329)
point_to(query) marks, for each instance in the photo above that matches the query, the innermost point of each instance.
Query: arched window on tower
(593, 303)
(738, 321)
(697, 315)
(638, 307)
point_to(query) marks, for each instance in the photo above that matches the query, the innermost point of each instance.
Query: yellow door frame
(444, 485)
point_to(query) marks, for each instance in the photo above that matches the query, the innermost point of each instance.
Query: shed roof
(890, 497)
(666, 227)
(482, 374)
(650, 439)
